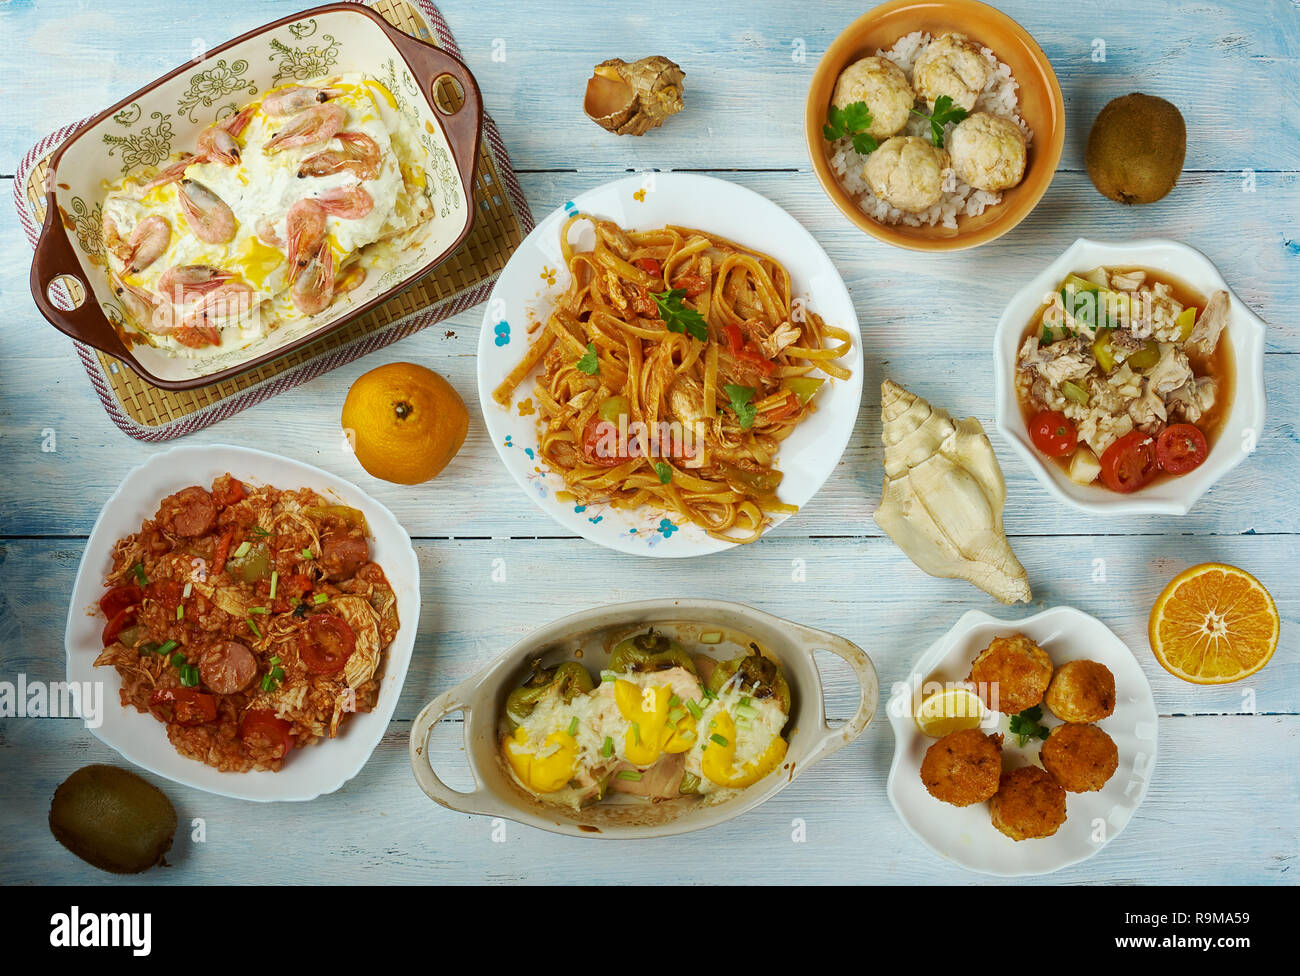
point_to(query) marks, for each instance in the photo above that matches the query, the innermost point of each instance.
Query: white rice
(959, 198)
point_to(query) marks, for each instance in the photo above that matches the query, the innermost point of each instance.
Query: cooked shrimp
(173, 173)
(147, 243)
(267, 234)
(359, 153)
(313, 288)
(220, 141)
(229, 301)
(346, 202)
(213, 221)
(185, 282)
(138, 303)
(305, 230)
(307, 128)
(293, 99)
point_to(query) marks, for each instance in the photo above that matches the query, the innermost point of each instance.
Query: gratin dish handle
(478, 801)
(463, 127)
(831, 740)
(55, 257)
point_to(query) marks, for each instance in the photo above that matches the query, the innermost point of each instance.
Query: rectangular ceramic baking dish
(166, 116)
(482, 700)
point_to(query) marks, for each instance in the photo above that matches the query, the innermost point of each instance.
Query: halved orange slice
(1213, 624)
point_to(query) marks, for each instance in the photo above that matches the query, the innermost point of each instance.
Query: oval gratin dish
(149, 126)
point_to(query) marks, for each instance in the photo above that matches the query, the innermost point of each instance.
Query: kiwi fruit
(1136, 148)
(113, 819)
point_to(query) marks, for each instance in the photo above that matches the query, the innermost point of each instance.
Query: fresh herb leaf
(741, 397)
(852, 122)
(1025, 726)
(680, 317)
(664, 471)
(589, 363)
(944, 112)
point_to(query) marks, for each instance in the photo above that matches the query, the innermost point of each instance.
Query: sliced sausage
(227, 667)
(190, 512)
(342, 554)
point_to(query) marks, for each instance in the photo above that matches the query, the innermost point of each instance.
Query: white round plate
(142, 739)
(535, 274)
(966, 835)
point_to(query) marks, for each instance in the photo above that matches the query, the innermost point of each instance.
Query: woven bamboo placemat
(465, 279)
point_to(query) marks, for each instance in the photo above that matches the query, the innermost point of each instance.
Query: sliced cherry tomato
(328, 644)
(746, 351)
(261, 728)
(650, 266)
(183, 706)
(1053, 433)
(119, 598)
(1130, 462)
(118, 623)
(222, 552)
(694, 285)
(784, 410)
(1181, 448)
(597, 440)
(228, 491)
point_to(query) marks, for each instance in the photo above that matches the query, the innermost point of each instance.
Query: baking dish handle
(463, 127)
(478, 801)
(54, 258)
(833, 739)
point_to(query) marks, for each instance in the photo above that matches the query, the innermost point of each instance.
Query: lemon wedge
(950, 710)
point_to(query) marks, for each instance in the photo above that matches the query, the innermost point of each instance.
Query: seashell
(943, 496)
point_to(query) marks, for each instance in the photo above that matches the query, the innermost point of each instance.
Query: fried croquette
(963, 768)
(1080, 757)
(1011, 674)
(1081, 691)
(1029, 803)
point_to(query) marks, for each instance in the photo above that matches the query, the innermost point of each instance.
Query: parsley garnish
(943, 112)
(664, 471)
(680, 317)
(851, 121)
(740, 402)
(588, 363)
(1025, 726)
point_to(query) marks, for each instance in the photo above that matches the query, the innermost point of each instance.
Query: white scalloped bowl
(141, 739)
(1241, 430)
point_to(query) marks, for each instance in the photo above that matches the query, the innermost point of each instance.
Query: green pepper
(253, 565)
(354, 517)
(1146, 357)
(690, 784)
(1186, 321)
(1102, 351)
(760, 677)
(611, 408)
(803, 387)
(568, 680)
(1074, 392)
(761, 482)
(649, 652)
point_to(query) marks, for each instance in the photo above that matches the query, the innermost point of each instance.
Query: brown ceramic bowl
(1041, 106)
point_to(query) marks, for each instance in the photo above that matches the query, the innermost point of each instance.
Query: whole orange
(404, 422)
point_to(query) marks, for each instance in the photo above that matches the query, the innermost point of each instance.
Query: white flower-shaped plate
(966, 836)
(310, 771)
(535, 274)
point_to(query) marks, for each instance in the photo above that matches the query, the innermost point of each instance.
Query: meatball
(907, 172)
(1011, 674)
(963, 768)
(1029, 803)
(953, 65)
(884, 88)
(988, 152)
(1081, 691)
(1082, 758)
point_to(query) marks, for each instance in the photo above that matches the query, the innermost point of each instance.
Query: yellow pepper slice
(549, 771)
(650, 735)
(718, 762)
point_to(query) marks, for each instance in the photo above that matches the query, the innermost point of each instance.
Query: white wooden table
(1223, 805)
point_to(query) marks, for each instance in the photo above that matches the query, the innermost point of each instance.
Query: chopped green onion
(607, 747)
(189, 676)
(720, 740)
(674, 702)
(696, 712)
(636, 733)
(275, 660)
(258, 610)
(687, 735)
(277, 674)
(140, 577)
(275, 578)
(744, 699)
(189, 588)
(268, 683)
(746, 711)
(180, 611)
(320, 598)
(253, 627)
(608, 675)
(242, 550)
(710, 694)
(712, 637)
(178, 660)
(306, 553)
(573, 726)
(675, 715)
(149, 647)
(167, 647)
(629, 774)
